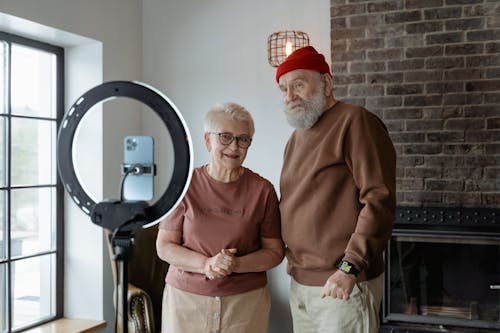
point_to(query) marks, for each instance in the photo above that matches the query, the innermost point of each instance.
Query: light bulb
(288, 48)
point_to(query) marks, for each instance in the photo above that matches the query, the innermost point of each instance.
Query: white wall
(203, 52)
(111, 51)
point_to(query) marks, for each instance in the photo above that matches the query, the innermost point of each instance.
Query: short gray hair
(228, 111)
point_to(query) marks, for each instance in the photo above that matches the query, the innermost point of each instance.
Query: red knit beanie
(304, 58)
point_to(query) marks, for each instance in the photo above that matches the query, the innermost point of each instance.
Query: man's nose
(290, 95)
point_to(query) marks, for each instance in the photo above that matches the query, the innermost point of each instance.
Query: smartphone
(138, 152)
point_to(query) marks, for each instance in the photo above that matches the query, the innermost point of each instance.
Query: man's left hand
(339, 285)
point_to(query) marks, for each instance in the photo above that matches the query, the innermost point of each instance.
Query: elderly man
(337, 201)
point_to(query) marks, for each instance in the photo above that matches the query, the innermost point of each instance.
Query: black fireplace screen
(443, 278)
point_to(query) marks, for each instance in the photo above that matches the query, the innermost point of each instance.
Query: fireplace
(443, 271)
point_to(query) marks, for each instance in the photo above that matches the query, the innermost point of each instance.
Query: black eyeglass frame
(238, 139)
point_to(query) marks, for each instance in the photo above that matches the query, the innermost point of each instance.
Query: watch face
(348, 268)
(345, 267)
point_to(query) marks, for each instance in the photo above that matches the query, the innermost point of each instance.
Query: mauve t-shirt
(214, 215)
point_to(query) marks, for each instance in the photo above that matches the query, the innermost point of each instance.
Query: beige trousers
(359, 314)
(185, 312)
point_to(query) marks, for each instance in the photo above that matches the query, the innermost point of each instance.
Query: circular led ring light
(167, 112)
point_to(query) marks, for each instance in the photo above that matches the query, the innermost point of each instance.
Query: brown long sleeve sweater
(338, 195)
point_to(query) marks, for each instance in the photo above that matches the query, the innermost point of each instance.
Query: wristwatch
(348, 268)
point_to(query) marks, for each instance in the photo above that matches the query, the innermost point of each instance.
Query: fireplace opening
(444, 274)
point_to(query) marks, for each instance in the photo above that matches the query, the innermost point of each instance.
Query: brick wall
(430, 69)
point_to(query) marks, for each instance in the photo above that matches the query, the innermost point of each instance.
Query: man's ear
(328, 84)
(206, 136)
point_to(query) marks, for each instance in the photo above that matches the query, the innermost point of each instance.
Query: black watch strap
(348, 268)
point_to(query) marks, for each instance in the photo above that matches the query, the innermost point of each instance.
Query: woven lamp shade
(280, 44)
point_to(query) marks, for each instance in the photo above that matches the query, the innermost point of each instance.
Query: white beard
(304, 114)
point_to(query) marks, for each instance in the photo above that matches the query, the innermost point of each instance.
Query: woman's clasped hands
(220, 265)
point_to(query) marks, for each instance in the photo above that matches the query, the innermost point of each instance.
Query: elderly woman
(222, 237)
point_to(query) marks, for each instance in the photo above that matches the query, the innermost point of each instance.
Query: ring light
(170, 116)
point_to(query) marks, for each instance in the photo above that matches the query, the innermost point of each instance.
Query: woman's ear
(206, 136)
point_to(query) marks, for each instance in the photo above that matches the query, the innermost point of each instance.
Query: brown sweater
(338, 195)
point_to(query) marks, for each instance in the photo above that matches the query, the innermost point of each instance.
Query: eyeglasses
(243, 141)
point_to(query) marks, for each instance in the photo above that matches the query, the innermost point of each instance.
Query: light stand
(123, 217)
(123, 245)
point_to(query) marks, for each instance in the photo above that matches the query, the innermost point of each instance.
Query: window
(31, 196)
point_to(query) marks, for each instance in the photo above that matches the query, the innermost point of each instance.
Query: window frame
(59, 188)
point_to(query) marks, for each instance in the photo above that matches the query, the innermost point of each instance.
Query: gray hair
(231, 111)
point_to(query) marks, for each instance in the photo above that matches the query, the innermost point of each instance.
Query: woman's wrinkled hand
(220, 265)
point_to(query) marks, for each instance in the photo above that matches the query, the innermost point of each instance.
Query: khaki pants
(359, 314)
(184, 312)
